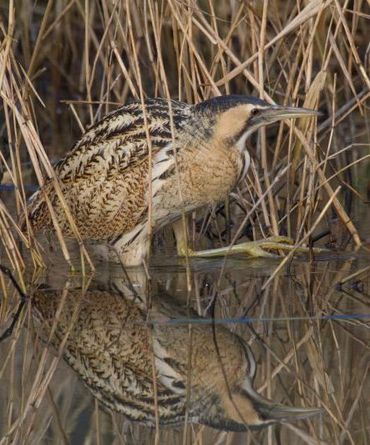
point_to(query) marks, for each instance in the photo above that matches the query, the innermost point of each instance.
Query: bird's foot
(184, 251)
(261, 248)
(255, 249)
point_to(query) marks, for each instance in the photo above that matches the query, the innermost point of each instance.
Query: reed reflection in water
(113, 337)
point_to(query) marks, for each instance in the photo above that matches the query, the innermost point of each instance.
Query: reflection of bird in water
(198, 156)
(110, 346)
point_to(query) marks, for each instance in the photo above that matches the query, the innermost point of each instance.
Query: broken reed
(67, 63)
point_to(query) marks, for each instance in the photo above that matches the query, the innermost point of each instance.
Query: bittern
(204, 378)
(198, 155)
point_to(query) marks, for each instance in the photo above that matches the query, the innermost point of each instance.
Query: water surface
(308, 330)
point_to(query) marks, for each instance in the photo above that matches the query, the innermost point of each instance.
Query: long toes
(279, 239)
(184, 252)
(277, 246)
(266, 244)
(261, 253)
(254, 249)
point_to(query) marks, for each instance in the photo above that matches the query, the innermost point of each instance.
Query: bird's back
(104, 178)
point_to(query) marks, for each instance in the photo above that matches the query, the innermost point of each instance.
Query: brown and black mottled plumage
(110, 345)
(102, 176)
(198, 156)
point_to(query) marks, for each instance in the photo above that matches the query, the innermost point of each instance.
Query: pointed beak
(271, 412)
(280, 413)
(277, 113)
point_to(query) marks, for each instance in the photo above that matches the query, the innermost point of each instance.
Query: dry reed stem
(96, 54)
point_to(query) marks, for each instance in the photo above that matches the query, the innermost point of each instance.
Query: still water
(120, 359)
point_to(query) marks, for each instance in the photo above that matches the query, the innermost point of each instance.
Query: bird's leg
(133, 248)
(256, 249)
(181, 238)
(129, 249)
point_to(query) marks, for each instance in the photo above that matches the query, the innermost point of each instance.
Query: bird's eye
(255, 112)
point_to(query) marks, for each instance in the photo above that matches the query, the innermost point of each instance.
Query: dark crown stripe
(223, 103)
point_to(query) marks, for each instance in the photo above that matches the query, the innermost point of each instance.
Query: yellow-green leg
(256, 249)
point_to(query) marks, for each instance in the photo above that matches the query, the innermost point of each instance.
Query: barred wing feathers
(104, 177)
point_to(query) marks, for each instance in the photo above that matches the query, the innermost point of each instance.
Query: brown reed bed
(305, 356)
(66, 63)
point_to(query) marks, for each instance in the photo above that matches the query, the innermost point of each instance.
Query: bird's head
(244, 408)
(234, 118)
(240, 407)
